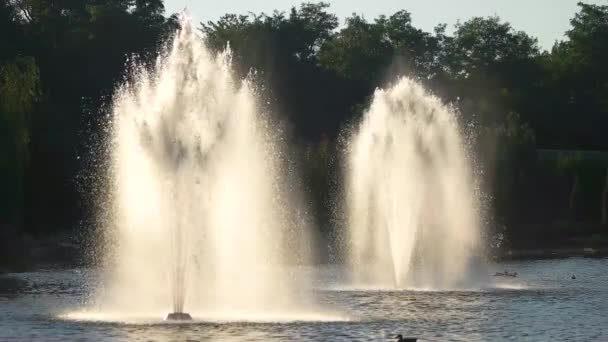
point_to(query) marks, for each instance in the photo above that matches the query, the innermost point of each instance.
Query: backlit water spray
(205, 219)
(410, 196)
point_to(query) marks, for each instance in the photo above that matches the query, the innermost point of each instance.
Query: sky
(546, 20)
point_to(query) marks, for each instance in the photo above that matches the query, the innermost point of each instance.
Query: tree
(307, 29)
(415, 50)
(491, 70)
(508, 153)
(255, 39)
(283, 49)
(9, 31)
(360, 51)
(389, 45)
(318, 78)
(19, 90)
(151, 12)
(487, 45)
(80, 49)
(578, 81)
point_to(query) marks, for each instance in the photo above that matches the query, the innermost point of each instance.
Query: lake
(542, 304)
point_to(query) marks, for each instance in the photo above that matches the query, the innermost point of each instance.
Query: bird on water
(400, 338)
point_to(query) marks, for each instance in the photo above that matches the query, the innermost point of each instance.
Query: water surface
(543, 304)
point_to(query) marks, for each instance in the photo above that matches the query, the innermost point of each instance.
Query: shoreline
(22, 252)
(552, 253)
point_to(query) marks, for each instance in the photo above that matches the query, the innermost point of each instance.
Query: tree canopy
(61, 60)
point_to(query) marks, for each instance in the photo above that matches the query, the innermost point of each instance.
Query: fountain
(410, 197)
(202, 217)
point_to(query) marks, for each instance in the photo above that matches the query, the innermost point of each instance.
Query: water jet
(203, 214)
(410, 197)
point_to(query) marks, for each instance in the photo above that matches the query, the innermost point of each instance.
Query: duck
(400, 338)
(506, 274)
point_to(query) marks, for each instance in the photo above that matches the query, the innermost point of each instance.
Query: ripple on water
(542, 304)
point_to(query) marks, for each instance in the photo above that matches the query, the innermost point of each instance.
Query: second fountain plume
(410, 196)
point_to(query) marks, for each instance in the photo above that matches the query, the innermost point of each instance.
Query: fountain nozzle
(178, 316)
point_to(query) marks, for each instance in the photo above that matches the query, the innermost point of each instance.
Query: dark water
(543, 304)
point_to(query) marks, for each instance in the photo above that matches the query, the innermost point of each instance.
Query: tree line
(61, 60)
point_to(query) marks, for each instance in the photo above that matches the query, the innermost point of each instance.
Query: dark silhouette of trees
(60, 62)
(59, 59)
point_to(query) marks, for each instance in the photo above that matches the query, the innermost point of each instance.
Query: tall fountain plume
(205, 219)
(410, 196)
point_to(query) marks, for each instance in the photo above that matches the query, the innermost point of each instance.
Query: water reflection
(542, 304)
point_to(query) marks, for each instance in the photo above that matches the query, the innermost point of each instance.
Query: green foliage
(256, 38)
(587, 53)
(19, 88)
(364, 51)
(516, 139)
(359, 51)
(508, 150)
(60, 61)
(56, 57)
(283, 49)
(588, 42)
(482, 45)
(492, 68)
(576, 86)
(9, 31)
(568, 163)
